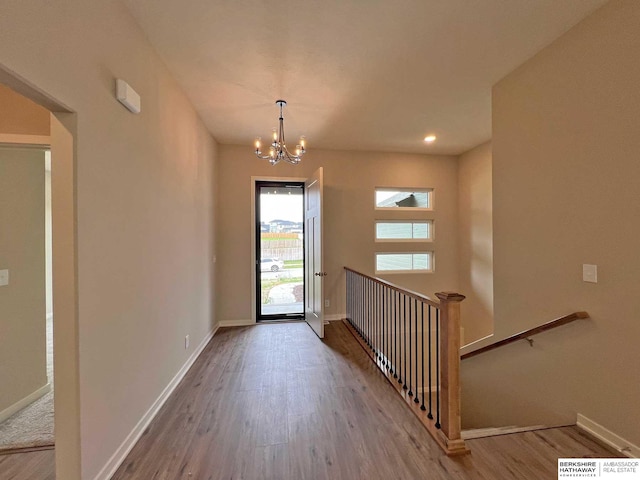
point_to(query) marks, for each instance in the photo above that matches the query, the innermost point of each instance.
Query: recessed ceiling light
(430, 138)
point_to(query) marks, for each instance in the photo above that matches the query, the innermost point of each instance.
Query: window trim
(430, 253)
(429, 239)
(428, 190)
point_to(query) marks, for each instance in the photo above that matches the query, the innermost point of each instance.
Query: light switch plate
(4, 278)
(590, 273)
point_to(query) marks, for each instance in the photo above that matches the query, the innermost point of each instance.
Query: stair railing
(527, 334)
(415, 342)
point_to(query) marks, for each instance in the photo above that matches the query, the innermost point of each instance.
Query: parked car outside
(271, 264)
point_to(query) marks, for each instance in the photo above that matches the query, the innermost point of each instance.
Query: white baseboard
(608, 437)
(236, 323)
(248, 323)
(25, 402)
(125, 447)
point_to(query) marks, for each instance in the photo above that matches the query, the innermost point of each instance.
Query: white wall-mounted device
(4, 278)
(589, 273)
(127, 96)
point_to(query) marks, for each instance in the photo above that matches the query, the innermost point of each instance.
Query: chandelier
(278, 148)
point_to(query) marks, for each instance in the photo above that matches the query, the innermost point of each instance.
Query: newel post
(450, 370)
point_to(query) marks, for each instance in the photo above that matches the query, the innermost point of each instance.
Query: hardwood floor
(274, 402)
(37, 465)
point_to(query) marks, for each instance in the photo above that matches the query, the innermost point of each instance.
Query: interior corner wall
(565, 193)
(475, 242)
(350, 179)
(145, 209)
(23, 365)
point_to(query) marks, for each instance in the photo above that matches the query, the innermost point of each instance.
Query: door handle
(320, 274)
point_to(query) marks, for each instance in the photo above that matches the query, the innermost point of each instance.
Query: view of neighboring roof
(406, 199)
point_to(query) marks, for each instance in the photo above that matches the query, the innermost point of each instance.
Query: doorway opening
(279, 250)
(57, 132)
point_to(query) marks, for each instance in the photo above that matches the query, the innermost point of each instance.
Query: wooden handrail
(528, 333)
(408, 293)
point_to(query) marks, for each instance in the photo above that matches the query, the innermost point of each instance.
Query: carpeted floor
(32, 427)
(29, 428)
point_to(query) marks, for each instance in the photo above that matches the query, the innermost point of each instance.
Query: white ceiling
(373, 75)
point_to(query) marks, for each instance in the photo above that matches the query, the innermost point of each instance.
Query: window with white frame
(404, 231)
(417, 262)
(404, 198)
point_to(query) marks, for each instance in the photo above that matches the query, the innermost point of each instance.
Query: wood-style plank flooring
(274, 402)
(38, 465)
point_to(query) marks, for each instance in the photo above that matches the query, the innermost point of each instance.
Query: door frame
(62, 142)
(254, 280)
(265, 318)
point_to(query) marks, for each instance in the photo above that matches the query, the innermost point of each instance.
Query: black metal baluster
(377, 317)
(415, 310)
(366, 313)
(410, 361)
(384, 333)
(422, 407)
(369, 315)
(354, 303)
(438, 367)
(401, 331)
(387, 355)
(374, 306)
(430, 415)
(404, 339)
(361, 296)
(395, 336)
(361, 305)
(358, 304)
(374, 338)
(372, 317)
(349, 315)
(350, 298)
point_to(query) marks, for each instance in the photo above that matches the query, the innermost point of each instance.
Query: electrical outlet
(186, 342)
(327, 303)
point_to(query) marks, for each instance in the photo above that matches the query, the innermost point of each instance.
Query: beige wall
(145, 217)
(20, 115)
(22, 302)
(349, 214)
(475, 242)
(565, 193)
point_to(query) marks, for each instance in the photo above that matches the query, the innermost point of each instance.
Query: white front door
(314, 272)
